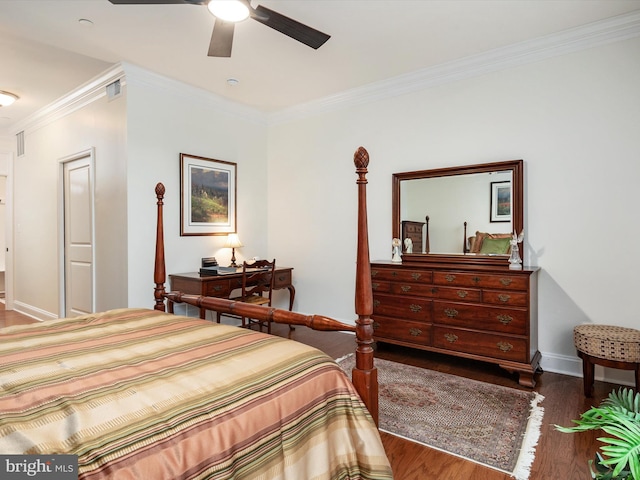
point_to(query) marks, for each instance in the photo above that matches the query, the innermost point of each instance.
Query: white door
(78, 236)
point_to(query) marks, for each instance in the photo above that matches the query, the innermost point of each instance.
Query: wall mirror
(442, 209)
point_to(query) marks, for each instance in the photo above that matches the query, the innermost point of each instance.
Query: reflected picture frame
(500, 202)
(208, 196)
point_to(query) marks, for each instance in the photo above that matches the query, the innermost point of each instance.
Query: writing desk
(221, 286)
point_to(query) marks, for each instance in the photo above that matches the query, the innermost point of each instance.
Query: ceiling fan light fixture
(7, 98)
(229, 10)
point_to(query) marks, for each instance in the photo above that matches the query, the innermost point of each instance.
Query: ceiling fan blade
(221, 39)
(296, 30)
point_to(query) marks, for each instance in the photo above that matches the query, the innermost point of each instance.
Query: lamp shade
(228, 10)
(233, 241)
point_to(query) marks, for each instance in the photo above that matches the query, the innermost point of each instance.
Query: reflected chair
(257, 288)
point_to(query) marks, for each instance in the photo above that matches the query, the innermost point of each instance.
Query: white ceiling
(45, 52)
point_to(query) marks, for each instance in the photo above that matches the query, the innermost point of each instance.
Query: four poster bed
(144, 394)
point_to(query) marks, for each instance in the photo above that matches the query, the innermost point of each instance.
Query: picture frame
(207, 196)
(500, 202)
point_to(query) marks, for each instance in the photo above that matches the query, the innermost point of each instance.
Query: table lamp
(233, 242)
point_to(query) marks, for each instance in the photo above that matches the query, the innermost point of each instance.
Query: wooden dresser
(483, 313)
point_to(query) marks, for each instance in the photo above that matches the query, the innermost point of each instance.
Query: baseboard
(570, 365)
(33, 312)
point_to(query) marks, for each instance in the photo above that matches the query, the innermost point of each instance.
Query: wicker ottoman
(609, 346)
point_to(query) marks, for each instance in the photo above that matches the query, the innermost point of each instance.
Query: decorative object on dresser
(515, 263)
(395, 255)
(413, 231)
(487, 314)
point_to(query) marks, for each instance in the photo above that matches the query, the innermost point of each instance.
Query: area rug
(489, 424)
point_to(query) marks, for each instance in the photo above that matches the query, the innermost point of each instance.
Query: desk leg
(203, 314)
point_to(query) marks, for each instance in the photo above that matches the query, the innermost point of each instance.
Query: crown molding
(80, 97)
(139, 76)
(594, 34)
(131, 74)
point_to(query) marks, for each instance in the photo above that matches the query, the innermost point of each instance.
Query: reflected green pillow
(495, 245)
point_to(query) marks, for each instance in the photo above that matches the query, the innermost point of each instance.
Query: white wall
(165, 119)
(574, 119)
(99, 125)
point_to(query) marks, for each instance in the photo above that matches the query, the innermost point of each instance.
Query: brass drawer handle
(462, 293)
(374, 273)
(394, 274)
(405, 288)
(217, 288)
(282, 278)
(505, 319)
(451, 312)
(375, 286)
(415, 308)
(504, 298)
(376, 325)
(416, 275)
(451, 338)
(376, 303)
(414, 332)
(449, 278)
(504, 346)
(506, 281)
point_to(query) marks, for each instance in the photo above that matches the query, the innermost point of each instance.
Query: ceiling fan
(222, 37)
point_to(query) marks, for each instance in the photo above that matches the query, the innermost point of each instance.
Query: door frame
(62, 302)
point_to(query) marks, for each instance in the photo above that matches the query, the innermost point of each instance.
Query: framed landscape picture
(207, 196)
(500, 201)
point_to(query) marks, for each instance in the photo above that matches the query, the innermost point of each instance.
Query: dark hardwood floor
(558, 455)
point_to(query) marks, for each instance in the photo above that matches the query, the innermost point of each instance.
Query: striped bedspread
(143, 395)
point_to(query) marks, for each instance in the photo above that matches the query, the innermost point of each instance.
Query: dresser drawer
(401, 275)
(380, 286)
(406, 331)
(410, 308)
(480, 317)
(501, 297)
(477, 343)
(479, 280)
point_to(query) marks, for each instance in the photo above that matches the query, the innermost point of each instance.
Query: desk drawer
(282, 280)
(218, 288)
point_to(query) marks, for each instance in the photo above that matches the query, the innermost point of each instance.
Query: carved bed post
(159, 273)
(426, 241)
(364, 375)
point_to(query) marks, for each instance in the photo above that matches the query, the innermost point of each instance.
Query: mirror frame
(517, 214)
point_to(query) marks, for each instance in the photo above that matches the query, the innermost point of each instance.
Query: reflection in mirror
(441, 210)
(449, 202)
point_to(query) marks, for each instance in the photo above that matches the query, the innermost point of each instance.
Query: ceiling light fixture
(7, 98)
(229, 10)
